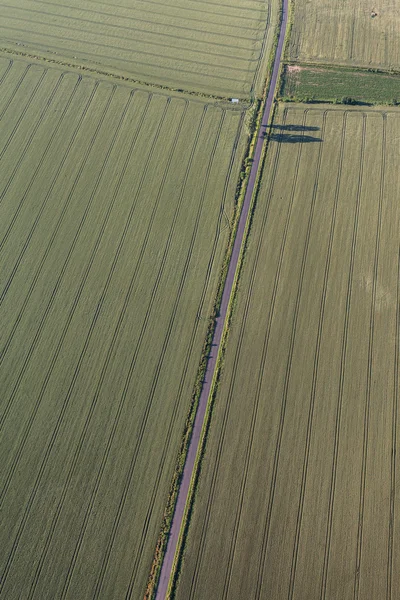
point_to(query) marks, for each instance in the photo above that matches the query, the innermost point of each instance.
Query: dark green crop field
(115, 206)
(216, 48)
(298, 495)
(334, 85)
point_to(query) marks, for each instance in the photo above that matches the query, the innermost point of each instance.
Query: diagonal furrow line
(23, 113)
(316, 364)
(55, 432)
(122, 400)
(205, 527)
(64, 267)
(39, 166)
(31, 137)
(79, 364)
(369, 371)
(7, 70)
(38, 216)
(14, 92)
(72, 309)
(188, 354)
(160, 362)
(324, 578)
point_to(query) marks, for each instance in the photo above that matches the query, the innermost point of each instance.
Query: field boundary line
(200, 96)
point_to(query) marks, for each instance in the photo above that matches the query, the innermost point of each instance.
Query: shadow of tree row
(293, 134)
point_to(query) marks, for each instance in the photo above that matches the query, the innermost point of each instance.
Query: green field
(298, 492)
(115, 208)
(332, 85)
(210, 47)
(344, 32)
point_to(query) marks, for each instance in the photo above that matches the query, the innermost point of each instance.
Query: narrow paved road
(198, 423)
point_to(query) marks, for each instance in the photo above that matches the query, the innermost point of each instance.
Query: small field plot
(113, 225)
(298, 495)
(337, 84)
(211, 47)
(357, 33)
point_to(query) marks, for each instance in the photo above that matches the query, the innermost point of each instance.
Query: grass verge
(253, 124)
(254, 117)
(220, 360)
(214, 387)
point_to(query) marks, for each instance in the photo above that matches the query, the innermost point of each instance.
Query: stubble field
(113, 225)
(298, 492)
(212, 47)
(342, 32)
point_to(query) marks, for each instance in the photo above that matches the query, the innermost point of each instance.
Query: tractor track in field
(168, 561)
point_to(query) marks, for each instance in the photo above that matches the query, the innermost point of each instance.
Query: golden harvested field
(113, 225)
(298, 494)
(217, 48)
(343, 32)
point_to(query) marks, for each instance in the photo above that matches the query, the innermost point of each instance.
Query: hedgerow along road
(166, 570)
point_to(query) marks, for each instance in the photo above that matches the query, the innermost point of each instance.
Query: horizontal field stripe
(129, 39)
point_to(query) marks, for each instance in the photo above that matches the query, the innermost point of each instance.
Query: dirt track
(211, 365)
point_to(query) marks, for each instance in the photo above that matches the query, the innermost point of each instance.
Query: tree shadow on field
(295, 127)
(285, 138)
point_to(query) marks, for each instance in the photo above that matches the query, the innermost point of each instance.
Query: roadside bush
(348, 100)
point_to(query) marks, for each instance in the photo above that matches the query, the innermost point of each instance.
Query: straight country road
(216, 342)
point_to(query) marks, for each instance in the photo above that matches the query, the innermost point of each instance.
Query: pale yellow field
(298, 494)
(212, 47)
(344, 32)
